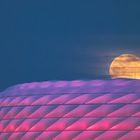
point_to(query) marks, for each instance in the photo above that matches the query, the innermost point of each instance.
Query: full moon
(125, 66)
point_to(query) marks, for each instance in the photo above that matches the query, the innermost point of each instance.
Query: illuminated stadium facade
(71, 110)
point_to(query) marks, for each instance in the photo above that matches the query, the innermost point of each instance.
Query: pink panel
(132, 135)
(111, 135)
(126, 110)
(79, 111)
(69, 135)
(59, 111)
(48, 135)
(90, 135)
(25, 125)
(26, 111)
(104, 124)
(81, 124)
(102, 110)
(127, 124)
(61, 124)
(15, 136)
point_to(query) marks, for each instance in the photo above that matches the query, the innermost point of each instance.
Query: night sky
(44, 40)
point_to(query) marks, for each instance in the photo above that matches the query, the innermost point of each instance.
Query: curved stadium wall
(71, 110)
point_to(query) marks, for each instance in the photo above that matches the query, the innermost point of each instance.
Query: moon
(125, 66)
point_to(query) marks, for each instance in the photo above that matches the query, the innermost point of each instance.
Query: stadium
(71, 110)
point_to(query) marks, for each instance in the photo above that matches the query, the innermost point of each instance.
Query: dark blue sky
(64, 39)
